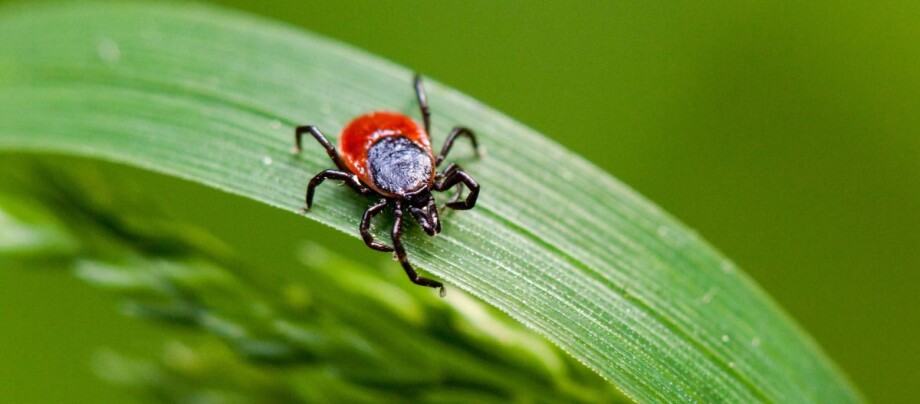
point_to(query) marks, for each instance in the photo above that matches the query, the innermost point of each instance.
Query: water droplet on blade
(108, 51)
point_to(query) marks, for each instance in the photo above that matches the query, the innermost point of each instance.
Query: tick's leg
(348, 178)
(454, 134)
(423, 103)
(366, 225)
(451, 168)
(439, 178)
(404, 260)
(453, 176)
(330, 149)
(456, 198)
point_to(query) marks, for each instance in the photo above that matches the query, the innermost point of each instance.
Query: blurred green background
(786, 133)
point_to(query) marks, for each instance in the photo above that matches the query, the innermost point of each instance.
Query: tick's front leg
(366, 226)
(453, 176)
(404, 259)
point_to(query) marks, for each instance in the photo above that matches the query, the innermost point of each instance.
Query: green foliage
(559, 245)
(339, 330)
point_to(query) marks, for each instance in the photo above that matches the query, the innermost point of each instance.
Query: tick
(388, 155)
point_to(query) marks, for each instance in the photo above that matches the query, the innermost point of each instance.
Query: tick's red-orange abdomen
(364, 131)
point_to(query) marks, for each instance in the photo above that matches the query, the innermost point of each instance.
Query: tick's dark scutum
(399, 166)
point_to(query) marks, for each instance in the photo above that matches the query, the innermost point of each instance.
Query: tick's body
(389, 155)
(388, 152)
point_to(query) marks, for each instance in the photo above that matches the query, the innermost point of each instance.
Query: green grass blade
(212, 97)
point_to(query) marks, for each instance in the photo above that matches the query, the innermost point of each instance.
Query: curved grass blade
(212, 96)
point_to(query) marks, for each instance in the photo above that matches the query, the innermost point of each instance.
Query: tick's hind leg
(423, 103)
(404, 259)
(366, 225)
(348, 178)
(330, 149)
(453, 176)
(454, 134)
